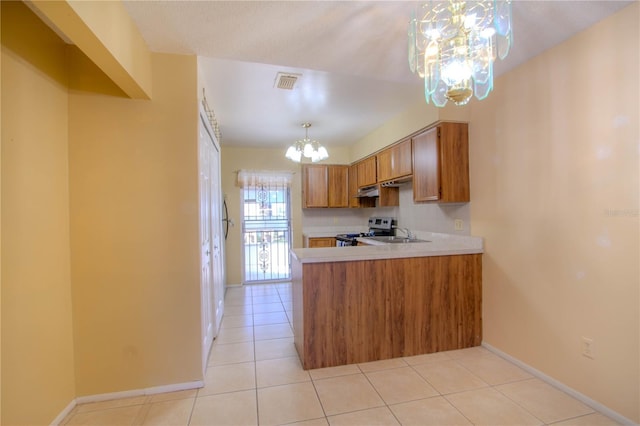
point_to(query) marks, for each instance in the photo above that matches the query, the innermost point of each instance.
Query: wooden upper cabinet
(395, 162)
(338, 191)
(353, 186)
(441, 164)
(384, 166)
(402, 159)
(354, 200)
(367, 172)
(315, 184)
(325, 186)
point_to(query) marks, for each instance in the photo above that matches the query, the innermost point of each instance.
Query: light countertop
(439, 245)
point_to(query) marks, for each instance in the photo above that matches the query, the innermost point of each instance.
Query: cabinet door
(353, 186)
(354, 201)
(441, 164)
(385, 165)
(338, 191)
(389, 197)
(426, 166)
(367, 172)
(315, 186)
(322, 242)
(394, 162)
(401, 159)
(454, 167)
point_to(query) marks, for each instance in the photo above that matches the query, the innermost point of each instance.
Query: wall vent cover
(286, 81)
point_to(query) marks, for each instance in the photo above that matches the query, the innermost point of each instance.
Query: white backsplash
(431, 217)
(340, 218)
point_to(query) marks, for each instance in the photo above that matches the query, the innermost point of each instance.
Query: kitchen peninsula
(374, 302)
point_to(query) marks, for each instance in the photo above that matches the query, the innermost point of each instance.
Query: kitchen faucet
(406, 231)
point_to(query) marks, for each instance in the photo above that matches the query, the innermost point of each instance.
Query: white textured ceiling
(351, 55)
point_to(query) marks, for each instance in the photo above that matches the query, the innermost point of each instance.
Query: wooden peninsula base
(350, 312)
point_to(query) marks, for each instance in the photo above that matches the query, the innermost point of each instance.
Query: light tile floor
(254, 377)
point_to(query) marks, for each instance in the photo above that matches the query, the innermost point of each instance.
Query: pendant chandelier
(307, 147)
(453, 44)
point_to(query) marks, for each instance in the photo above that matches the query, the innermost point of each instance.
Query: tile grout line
(495, 387)
(386, 405)
(444, 396)
(315, 389)
(440, 394)
(255, 366)
(489, 386)
(255, 361)
(457, 409)
(326, 419)
(193, 407)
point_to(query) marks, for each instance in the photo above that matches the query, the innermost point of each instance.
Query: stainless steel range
(378, 227)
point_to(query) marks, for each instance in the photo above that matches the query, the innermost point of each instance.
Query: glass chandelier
(453, 44)
(307, 147)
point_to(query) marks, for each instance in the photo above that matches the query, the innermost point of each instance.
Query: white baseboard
(109, 396)
(126, 394)
(175, 387)
(64, 413)
(140, 392)
(564, 388)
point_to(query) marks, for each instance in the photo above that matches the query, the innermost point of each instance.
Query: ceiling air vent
(286, 80)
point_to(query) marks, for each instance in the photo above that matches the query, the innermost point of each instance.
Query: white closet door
(211, 238)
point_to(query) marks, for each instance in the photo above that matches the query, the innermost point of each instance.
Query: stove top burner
(378, 227)
(360, 234)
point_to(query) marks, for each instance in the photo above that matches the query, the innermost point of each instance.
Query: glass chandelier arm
(502, 16)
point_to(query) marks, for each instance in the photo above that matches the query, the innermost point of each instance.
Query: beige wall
(37, 343)
(415, 118)
(554, 175)
(106, 34)
(100, 206)
(134, 234)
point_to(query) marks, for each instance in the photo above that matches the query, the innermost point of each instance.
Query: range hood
(368, 192)
(397, 182)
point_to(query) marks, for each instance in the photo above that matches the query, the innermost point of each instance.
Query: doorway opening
(266, 230)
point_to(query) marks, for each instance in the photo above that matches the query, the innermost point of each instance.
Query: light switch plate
(587, 347)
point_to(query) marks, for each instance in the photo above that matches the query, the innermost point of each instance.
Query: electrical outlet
(587, 347)
(458, 224)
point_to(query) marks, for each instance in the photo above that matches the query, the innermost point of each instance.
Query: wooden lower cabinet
(361, 311)
(322, 242)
